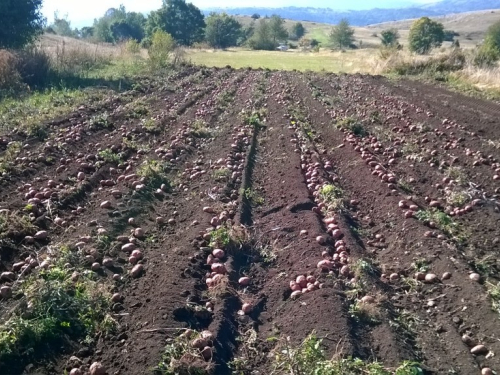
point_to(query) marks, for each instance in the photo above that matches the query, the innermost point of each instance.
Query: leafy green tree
(449, 35)
(222, 31)
(277, 29)
(87, 32)
(298, 31)
(262, 38)
(62, 26)
(161, 49)
(493, 36)
(102, 30)
(255, 16)
(21, 22)
(117, 24)
(130, 27)
(489, 52)
(342, 35)
(246, 33)
(390, 38)
(183, 21)
(425, 34)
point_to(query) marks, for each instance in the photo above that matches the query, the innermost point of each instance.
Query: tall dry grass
(10, 79)
(455, 63)
(481, 77)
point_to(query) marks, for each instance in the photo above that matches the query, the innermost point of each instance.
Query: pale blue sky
(81, 13)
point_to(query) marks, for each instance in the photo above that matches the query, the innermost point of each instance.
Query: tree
(489, 52)
(449, 35)
(425, 34)
(117, 24)
(342, 35)
(297, 31)
(256, 16)
(390, 38)
(161, 49)
(277, 29)
(87, 32)
(130, 27)
(493, 36)
(222, 31)
(62, 26)
(184, 22)
(21, 22)
(246, 33)
(262, 38)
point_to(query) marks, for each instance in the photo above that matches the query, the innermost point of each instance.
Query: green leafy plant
(332, 196)
(353, 125)
(444, 222)
(308, 358)
(56, 307)
(220, 237)
(365, 312)
(252, 196)
(155, 172)
(111, 157)
(494, 293)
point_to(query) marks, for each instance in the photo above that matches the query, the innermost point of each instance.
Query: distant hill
(366, 17)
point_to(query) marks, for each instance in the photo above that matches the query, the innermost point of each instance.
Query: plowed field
(225, 221)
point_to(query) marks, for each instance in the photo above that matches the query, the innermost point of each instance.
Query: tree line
(22, 22)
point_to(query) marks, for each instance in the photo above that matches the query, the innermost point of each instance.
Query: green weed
(332, 196)
(494, 293)
(100, 121)
(221, 174)
(151, 126)
(15, 224)
(252, 196)
(179, 357)
(155, 173)
(368, 313)
(29, 111)
(111, 157)
(443, 222)
(457, 198)
(55, 307)
(353, 125)
(458, 175)
(255, 118)
(220, 237)
(309, 358)
(8, 157)
(421, 265)
(200, 129)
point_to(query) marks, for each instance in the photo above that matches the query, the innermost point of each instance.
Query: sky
(82, 13)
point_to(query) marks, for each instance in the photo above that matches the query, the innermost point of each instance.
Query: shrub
(453, 61)
(425, 34)
(489, 53)
(34, 66)
(132, 46)
(161, 49)
(79, 60)
(10, 79)
(486, 55)
(390, 37)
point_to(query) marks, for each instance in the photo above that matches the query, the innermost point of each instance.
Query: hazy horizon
(83, 13)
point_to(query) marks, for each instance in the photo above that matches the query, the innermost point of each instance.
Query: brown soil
(259, 145)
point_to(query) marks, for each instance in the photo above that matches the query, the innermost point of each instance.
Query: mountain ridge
(365, 17)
